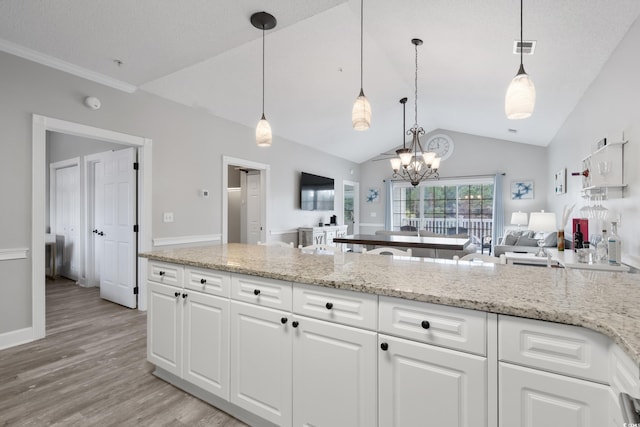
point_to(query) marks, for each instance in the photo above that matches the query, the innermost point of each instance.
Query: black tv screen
(316, 192)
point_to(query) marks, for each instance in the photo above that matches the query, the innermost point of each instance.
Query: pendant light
(521, 94)
(263, 21)
(361, 113)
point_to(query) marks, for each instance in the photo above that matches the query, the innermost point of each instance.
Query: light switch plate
(167, 217)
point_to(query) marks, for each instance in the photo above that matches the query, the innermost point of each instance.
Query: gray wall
(610, 108)
(188, 145)
(472, 155)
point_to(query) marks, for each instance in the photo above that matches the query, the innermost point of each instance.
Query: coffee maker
(334, 220)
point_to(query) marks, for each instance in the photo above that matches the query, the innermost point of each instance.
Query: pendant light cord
(521, 39)
(263, 71)
(416, 90)
(361, 42)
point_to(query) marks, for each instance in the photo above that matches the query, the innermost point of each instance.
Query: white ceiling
(206, 54)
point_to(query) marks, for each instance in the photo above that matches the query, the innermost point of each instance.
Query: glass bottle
(577, 238)
(602, 252)
(614, 245)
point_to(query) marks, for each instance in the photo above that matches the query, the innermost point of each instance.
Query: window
(445, 208)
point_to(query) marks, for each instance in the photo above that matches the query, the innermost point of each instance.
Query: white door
(334, 371)
(261, 362)
(206, 342)
(350, 205)
(531, 398)
(66, 215)
(425, 385)
(118, 239)
(254, 203)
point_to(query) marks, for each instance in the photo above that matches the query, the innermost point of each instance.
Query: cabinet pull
(256, 291)
(384, 346)
(294, 324)
(630, 409)
(329, 305)
(95, 231)
(203, 281)
(184, 296)
(161, 273)
(425, 324)
(176, 294)
(284, 320)
(101, 234)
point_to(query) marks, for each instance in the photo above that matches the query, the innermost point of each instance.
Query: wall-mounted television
(316, 192)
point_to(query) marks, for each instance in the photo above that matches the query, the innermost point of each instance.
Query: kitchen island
(476, 316)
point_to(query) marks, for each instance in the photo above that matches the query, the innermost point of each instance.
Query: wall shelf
(605, 167)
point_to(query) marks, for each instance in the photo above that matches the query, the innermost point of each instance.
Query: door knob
(101, 234)
(95, 231)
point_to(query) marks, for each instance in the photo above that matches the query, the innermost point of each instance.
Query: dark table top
(406, 241)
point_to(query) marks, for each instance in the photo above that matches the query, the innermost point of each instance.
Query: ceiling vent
(528, 47)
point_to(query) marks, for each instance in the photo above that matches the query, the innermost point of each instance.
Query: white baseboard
(371, 224)
(182, 240)
(14, 338)
(14, 253)
(281, 232)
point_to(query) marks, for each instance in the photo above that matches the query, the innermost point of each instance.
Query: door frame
(356, 204)
(265, 171)
(40, 126)
(53, 201)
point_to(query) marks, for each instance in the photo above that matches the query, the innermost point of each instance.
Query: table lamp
(542, 222)
(519, 219)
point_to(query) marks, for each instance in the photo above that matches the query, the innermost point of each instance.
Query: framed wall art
(560, 181)
(522, 189)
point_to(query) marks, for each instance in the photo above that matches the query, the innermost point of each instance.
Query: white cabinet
(188, 331)
(334, 375)
(533, 398)
(320, 235)
(421, 384)
(164, 327)
(261, 361)
(419, 381)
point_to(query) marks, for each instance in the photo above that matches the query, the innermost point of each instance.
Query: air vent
(528, 47)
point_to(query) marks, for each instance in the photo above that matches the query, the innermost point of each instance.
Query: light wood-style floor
(91, 370)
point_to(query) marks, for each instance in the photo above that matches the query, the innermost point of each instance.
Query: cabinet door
(164, 327)
(532, 398)
(424, 385)
(206, 342)
(261, 361)
(334, 371)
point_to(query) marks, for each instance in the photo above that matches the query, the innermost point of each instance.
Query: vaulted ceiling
(206, 54)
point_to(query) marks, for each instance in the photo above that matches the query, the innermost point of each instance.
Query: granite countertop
(602, 301)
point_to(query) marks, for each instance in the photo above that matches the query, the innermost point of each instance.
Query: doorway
(245, 195)
(41, 125)
(351, 206)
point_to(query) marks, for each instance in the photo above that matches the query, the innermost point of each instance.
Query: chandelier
(413, 164)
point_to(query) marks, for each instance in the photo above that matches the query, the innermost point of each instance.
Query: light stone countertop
(602, 301)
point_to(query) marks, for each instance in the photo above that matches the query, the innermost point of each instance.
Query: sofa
(525, 241)
(431, 253)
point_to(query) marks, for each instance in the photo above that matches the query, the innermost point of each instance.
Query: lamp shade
(361, 113)
(543, 221)
(519, 218)
(520, 100)
(263, 133)
(395, 163)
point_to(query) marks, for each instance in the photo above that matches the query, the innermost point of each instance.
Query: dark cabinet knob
(329, 305)
(161, 273)
(95, 231)
(256, 291)
(294, 324)
(425, 324)
(384, 346)
(184, 296)
(101, 234)
(177, 294)
(284, 320)
(203, 281)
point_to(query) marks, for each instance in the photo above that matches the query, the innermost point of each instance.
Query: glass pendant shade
(521, 97)
(405, 156)
(263, 133)
(428, 158)
(436, 163)
(395, 163)
(361, 113)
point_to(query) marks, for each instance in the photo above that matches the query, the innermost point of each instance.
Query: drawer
(336, 305)
(564, 349)
(162, 272)
(441, 325)
(262, 291)
(208, 281)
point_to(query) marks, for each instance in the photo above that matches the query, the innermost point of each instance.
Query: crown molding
(67, 67)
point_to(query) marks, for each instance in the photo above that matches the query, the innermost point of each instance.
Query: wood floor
(91, 370)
